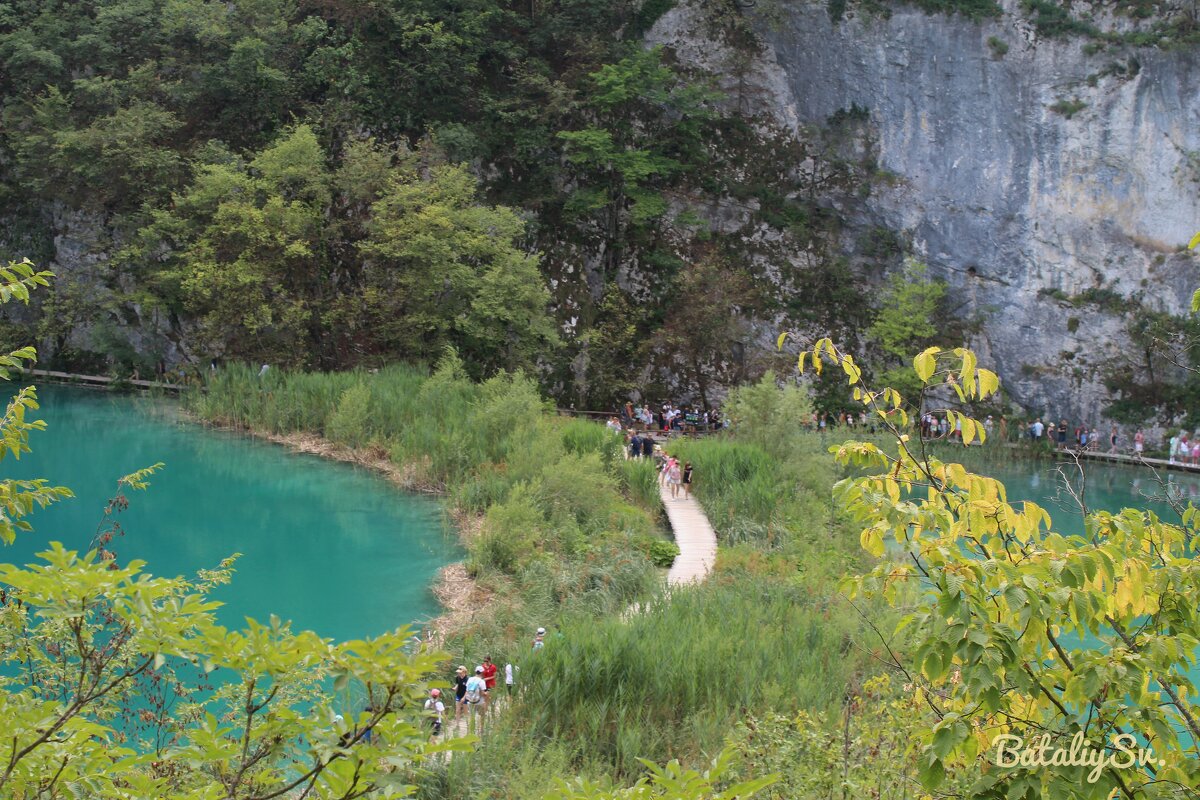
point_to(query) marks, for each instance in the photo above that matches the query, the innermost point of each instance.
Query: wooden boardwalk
(100, 380)
(694, 535)
(1120, 458)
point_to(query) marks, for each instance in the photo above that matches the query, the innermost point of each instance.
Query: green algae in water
(334, 548)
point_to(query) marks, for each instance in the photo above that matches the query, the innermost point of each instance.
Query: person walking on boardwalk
(664, 476)
(687, 479)
(1112, 441)
(647, 447)
(1139, 443)
(674, 478)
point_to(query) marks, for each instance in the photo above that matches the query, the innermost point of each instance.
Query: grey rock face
(1012, 202)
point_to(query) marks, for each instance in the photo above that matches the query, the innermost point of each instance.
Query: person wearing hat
(460, 691)
(477, 697)
(539, 641)
(435, 708)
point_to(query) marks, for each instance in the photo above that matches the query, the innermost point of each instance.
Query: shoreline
(455, 591)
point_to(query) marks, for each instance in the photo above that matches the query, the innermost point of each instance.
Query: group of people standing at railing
(668, 418)
(1086, 438)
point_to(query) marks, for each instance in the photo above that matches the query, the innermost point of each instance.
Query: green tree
(906, 321)
(645, 118)
(1018, 635)
(705, 326)
(446, 269)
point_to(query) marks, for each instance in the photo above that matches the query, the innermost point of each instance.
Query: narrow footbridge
(694, 535)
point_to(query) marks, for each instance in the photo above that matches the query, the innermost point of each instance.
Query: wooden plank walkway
(100, 380)
(1121, 458)
(694, 535)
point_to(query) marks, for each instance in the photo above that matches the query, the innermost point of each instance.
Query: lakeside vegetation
(565, 523)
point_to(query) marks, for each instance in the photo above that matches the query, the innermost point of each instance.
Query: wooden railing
(101, 380)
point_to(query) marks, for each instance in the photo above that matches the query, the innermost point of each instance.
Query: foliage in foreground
(1021, 636)
(94, 656)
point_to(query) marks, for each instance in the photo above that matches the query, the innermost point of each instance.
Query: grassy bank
(565, 525)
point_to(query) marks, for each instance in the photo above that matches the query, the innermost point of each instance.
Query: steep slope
(1050, 185)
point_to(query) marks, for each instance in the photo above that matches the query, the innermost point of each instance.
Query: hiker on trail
(674, 478)
(1172, 449)
(1093, 439)
(647, 446)
(687, 479)
(1139, 442)
(477, 697)
(1112, 440)
(509, 678)
(1062, 435)
(1083, 438)
(460, 691)
(489, 674)
(635, 446)
(539, 641)
(436, 709)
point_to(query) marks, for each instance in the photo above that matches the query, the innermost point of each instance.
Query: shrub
(349, 424)
(1068, 108)
(998, 46)
(662, 553)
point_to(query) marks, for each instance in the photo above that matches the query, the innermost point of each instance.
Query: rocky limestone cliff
(1024, 179)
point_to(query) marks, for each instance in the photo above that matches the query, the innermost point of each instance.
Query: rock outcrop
(1046, 183)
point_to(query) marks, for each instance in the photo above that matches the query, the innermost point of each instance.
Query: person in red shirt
(489, 674)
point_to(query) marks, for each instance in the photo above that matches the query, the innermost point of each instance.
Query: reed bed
(674, 679)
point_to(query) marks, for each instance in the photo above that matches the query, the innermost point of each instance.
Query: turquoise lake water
(1107, 488)
(334, 548)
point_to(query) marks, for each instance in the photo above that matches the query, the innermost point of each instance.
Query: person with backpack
(436, 710)
(674, 477)
(477, 697)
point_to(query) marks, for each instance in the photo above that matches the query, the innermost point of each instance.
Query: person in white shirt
(509, 669)
(436, 710)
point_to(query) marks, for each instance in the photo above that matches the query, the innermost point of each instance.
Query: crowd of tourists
(475, 692)
(641, 444)
(668, 418)
(1083, 437)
